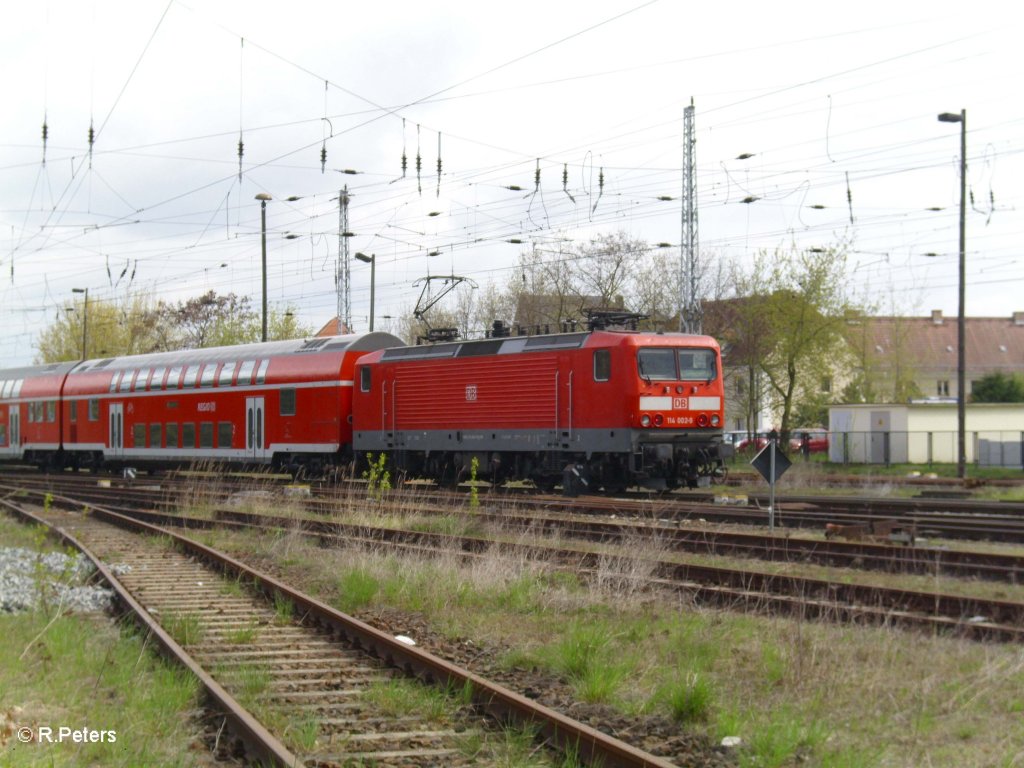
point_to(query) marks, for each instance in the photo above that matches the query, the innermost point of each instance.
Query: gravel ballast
(30, 580)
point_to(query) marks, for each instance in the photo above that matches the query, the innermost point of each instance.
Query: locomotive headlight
(645, 420)
(714, 420)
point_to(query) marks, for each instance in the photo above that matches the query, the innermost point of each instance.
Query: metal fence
(984, 448)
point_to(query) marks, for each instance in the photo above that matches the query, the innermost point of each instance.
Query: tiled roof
(930, 343)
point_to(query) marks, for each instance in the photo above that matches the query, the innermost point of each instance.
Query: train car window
(287, 401)
(3, 434)
(206, 434)
(115, 380)
(245, 372)
(261, 372)
(139, 380)
(209, 375)
(172, 435)
(94, 409)
(191, 374)
(157, 382)
(51, 410)
(227, 372)
(697, 365)
(155, 431)
(17, 387)
(174, 378)
(225, 433)
(657, 364)
(188, 435)
(6, 387)
(31, 412)
(365, 378)
(602, 364)
(74, 410)
(139, 435)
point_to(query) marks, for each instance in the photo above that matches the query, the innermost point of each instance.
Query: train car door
(14, 431)
(116, 432)
(255, 439)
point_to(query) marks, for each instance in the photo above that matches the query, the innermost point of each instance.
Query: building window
(943, 387)
(288, 401)
(826, 384)
(602, 365)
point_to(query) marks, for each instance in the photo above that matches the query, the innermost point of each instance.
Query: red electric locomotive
(285, 403)
(592, 410)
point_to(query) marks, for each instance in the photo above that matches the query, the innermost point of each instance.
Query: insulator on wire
(565, 181)
(323, 156)
(536, 177)
(438, 194)
(600, 189)
(92, 140)
(46, 135)
(241, 153)
(419, 162)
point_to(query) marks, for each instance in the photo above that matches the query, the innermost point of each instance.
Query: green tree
(136, 325)
(998, 388)
(215, 320)
(791, 324)
(126, 327)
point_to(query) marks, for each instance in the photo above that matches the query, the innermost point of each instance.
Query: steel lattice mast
(690, 315)
(343, 278)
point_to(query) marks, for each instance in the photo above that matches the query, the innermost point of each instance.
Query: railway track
(746, 588)
(312, 675)
(610, 520)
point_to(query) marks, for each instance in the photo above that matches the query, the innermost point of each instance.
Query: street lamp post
(263, 197)
(372, 261)
(85, 318)
(961, 441)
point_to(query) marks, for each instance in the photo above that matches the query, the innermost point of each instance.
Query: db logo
(679, 403)
(470, 392)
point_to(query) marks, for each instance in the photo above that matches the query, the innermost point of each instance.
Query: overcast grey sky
(835, 105)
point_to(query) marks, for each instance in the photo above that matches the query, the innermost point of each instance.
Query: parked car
(816, 440)
(752, 444)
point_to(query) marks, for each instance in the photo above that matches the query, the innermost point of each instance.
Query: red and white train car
(591, 409)
(31, 412)
(285, 403)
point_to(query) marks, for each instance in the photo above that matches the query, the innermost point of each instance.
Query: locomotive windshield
(673, 364)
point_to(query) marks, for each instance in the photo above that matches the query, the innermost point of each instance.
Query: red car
(816, 440)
